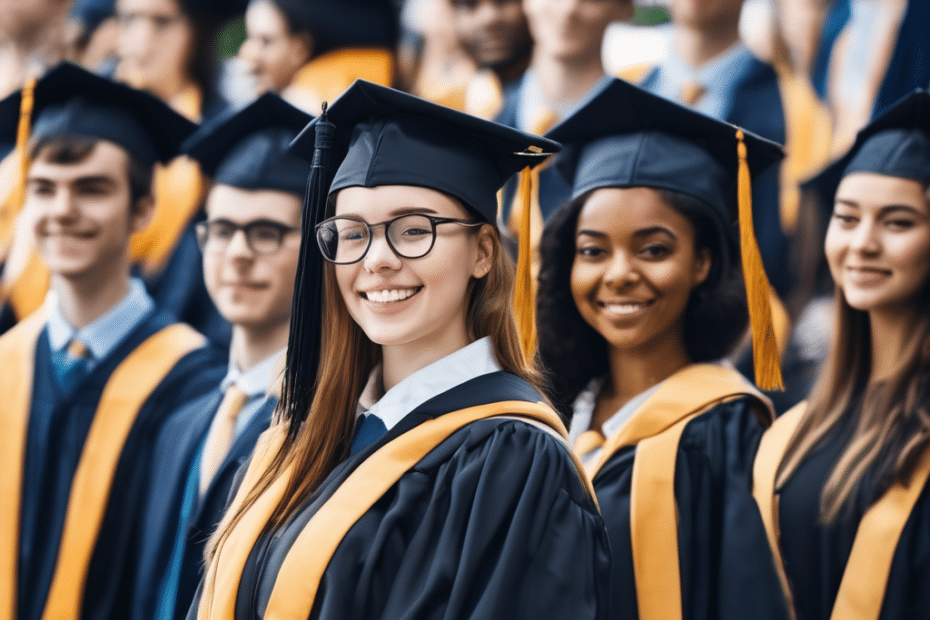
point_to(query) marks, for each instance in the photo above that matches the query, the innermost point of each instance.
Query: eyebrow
(397, 212)
(645, 232)
(883, 210)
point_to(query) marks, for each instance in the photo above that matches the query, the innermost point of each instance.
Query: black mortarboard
(91, 13)
(248, 149)
(627, 137)
(895, 144)
(342, 23)
(69, 101)
(379, 136)
(386, 137)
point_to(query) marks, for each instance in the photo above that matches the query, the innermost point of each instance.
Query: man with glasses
(250, 242)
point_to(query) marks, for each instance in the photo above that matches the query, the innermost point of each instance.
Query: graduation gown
(815, 556)
(177, 459)
(726, 568)
(58, 429)
(494, 522)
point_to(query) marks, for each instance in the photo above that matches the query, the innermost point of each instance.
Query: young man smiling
(91, 378)
(251, 244)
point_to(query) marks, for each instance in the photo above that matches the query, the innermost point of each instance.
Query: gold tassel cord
(10, 208)
(523, 302)
(764, 344)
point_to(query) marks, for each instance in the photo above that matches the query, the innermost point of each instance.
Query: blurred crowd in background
(804, 73)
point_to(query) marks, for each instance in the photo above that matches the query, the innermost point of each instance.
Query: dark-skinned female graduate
(841, 479)
(415, 472)
(640, 296)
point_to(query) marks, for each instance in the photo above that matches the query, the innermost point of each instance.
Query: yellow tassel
(764, 343)
(23, 131)
(523, 301)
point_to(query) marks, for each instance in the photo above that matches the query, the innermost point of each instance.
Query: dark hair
(66, 150)
(573, 353)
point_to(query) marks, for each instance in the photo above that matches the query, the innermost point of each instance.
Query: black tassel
(303, 348)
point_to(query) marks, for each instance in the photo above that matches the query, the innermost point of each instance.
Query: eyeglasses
(346, 240)
(262, 236)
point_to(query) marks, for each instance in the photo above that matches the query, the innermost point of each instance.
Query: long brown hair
(347, 358)
(892, 425)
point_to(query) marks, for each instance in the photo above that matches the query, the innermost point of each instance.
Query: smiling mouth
(624, 309)
(391, 295)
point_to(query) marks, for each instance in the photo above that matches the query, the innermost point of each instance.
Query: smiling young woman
(848, 468)
(640, 297)
(415, 471)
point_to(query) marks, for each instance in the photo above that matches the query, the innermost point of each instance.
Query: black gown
(815, 555)
(727, 570)
(493, 523)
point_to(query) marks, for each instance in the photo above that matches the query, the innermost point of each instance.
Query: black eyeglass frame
(202, 230)
(433, 220)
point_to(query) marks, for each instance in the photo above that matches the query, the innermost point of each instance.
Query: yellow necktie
(691, 92)
(221, 435)
(588, 442)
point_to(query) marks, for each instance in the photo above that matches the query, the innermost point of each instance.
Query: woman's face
(422, 302)
(878, 242)
(271, 52)
(635, 266)
(155, 43)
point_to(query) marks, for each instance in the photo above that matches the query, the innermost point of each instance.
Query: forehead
(243, 206)
(153, 7)
(873, 190)
(104, 159)
(372, 203)
(621, 211)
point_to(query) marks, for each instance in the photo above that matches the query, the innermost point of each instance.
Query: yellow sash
(328, 76)
(655, 429)
(862, 590)
(297, 582)
(126, 391)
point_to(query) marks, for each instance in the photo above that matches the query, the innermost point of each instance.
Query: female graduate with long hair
(415, 472)
(640, 296)
(841, 478)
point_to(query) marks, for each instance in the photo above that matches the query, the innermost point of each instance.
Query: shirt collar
(256, 381)
(531, 98)
(583, 410)
(104, 334)
(469, 362)
(718, 77)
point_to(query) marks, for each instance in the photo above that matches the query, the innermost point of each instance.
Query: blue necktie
(71, 364)
(367, 431)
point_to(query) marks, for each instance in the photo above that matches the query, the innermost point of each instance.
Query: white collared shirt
(718, 77)
(467, 363)
(583, 410)
(255, 382)
(103, 335)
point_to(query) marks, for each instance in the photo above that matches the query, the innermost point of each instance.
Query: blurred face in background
(573, 29)
(24, 20)
(154, 45)
(706, 14)
(494, 33)
(271, 52)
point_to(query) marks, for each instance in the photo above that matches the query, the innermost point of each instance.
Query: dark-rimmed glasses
(262, 236)
(345, 240)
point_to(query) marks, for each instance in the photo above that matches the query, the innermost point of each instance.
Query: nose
(487, 14)
(380, 256)
(62, 206)
(864, 238)
(239, 247)
(620, 271)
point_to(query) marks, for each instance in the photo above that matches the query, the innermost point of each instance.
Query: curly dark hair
(573, 353)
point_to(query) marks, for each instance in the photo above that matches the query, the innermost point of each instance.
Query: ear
(486, 249)
(702, 263)
(142, 213)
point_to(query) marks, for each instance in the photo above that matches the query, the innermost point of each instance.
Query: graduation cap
(380, 136)
(92, 13)
(627, 137)
(896, 144)
(248, 148)
(337, 23)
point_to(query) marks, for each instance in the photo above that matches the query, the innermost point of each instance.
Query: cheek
(345, 278)
(583, 280)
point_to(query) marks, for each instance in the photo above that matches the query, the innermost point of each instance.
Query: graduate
(89, 379)
(258, 189)
(415, 471)
(640, 296)
(841, 479)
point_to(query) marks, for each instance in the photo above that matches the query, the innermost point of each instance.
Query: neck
(249, 347)
(567, 81)
(890, 334)
(401, 361)
(84, 300)
(511, 72)
(632, 372)
(697, 47)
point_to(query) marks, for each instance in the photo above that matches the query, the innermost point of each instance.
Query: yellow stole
(296, 585)
(125, 393)
(328, 76)
(655, 429)
(862, 590)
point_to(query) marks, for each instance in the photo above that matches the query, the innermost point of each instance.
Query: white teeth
(623, 308)
(391, 295)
